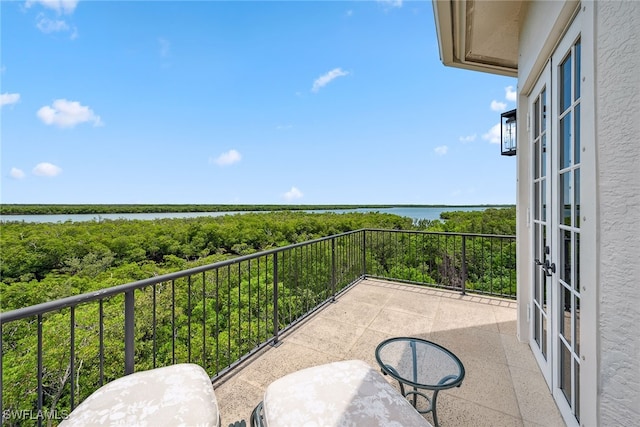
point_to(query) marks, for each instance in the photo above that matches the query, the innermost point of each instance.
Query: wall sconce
(508, 133)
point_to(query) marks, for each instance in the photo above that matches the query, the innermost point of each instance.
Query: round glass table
(417, 365)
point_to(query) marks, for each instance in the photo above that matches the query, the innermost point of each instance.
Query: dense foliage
(46, 261)
(212, 319)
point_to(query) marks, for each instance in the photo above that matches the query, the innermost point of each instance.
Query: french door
(540, 136)
(554, 129)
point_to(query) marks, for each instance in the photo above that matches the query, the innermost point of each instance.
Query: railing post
(333, 268)
(129, 339)
(40, 370)
(1, 382)
(364, 253)
(276, 320)
(72, 357)
(464, 265)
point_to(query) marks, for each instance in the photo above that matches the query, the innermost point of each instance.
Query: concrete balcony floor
(503, 385)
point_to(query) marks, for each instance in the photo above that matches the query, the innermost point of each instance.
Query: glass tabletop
(420, 363)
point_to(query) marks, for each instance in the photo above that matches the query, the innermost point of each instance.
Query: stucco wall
(544, 24)
(617, 51)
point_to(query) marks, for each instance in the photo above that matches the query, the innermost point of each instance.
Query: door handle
(549, 267)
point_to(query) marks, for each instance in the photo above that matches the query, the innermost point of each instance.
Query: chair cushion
(347, 393)
(178, 395)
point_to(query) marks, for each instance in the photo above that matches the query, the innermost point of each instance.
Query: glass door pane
(567, 228)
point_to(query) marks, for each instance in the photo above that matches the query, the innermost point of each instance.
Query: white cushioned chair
(177, 395)
(347, 393)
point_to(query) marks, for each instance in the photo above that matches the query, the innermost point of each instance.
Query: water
(415, 213)
(112, 216)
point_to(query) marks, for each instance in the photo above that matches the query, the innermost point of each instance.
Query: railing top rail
(444, 233)
(75, 300)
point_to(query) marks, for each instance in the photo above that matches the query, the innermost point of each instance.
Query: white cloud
(493, 136)
(60, 6)
(9, 98)
(498, 106)
(67, 114)
(16, 173)
(46, 169)
(441, 150)
(292, 194)
(510, 94)
(228, 158)
(392, 3)
(327, 78)
(48, 26)
(468, 138)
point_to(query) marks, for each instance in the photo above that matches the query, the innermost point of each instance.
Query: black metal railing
(57, 353)
(478, 263)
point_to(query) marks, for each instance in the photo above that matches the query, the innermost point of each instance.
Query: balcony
(253, 319)
(503, 385)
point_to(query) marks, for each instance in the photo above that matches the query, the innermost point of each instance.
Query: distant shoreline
(73, 209)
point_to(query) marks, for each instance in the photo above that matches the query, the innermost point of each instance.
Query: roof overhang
(479, 35)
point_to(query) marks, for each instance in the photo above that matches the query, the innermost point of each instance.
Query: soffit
(479, 34)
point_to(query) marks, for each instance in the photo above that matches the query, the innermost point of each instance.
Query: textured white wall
(544, 24)
(617, 51)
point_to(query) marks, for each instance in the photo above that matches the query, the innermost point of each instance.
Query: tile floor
(502, 387)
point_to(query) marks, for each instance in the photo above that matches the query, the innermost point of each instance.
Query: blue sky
(301, 102)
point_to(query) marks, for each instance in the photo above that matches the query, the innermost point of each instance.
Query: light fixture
(508, 133)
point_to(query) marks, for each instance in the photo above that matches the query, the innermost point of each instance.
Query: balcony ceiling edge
(479, 35)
